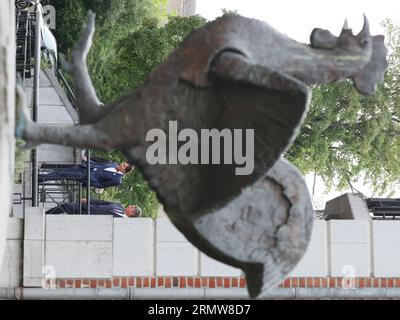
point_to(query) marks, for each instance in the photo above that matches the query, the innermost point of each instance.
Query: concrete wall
(349, 243)
(11, 268)
(315, 260)
(349, 206)
(133, 247)
(386, 248)
(72, 247)
(175, 255)
(103, 247)
(7, 112)
(351, 248)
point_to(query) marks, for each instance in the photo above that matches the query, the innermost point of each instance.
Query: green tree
(229, 12)
(141, 51)
(127, 47)
(347, 136)
(114, 18)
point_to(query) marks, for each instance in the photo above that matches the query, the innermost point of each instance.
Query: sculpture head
(351, 46)
(367, 80)
(347, 41)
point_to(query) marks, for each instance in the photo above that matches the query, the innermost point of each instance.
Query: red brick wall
(221, 282)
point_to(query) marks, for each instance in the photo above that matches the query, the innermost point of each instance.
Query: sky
(297, 19)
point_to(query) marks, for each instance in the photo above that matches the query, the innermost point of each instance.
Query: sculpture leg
(87, 101)
(255, 97)
(81, 136)
(234, 66)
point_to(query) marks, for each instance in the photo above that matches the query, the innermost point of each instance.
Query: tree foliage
(115, 19)
(348, 136)
(141, 51)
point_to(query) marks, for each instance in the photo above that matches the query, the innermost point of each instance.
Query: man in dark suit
(102, 175)
(98, 207)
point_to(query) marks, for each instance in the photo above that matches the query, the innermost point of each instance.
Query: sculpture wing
(254, 97)
(259, 222)
(242, 95)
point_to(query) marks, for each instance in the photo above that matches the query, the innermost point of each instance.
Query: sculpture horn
(345, 24)
(346, 30)
(365, 33)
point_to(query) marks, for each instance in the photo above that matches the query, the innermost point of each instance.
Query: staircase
(25, 22)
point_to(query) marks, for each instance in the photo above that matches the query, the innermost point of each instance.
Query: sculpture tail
(263, 277)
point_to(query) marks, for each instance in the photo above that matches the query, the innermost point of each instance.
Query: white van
(49, 43)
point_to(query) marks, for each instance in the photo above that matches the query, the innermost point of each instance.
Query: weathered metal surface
(264, 231)
(235, 73)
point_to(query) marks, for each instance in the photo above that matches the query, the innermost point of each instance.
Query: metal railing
(25, 22)
(65, 190)
(68, 90)
(59, 73)
(35, 102)
(384, 208)
(58, 193)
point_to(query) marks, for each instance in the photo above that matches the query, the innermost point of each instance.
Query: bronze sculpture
(234, 73)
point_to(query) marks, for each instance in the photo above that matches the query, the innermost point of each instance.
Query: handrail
(88, 181)
(60, 76)
(69, 91)
(35, 104)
